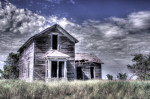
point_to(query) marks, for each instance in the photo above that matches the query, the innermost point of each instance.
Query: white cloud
(139, 20)
(61, 21)
(19, 20)
(110, 30)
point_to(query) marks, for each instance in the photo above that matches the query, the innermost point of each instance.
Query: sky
(114, 30)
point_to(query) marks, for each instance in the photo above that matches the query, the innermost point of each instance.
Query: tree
(110, 77)
(141, 66)
(122, 76)
(11, 70)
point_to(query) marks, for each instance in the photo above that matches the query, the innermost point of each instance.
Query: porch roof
(56, 54)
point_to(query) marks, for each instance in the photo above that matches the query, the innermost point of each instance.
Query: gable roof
(56, 26)
(87, 57)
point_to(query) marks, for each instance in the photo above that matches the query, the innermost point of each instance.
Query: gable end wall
(26, 58)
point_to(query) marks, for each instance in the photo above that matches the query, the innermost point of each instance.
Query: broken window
(54, 42)
(54, 68)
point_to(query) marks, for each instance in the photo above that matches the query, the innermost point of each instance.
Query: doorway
(54, 69)
(79, 73)
(92, 72)
(57, 69)
(61, 69)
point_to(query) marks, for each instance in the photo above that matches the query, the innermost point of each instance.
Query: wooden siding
(68, 47)
(86, 71)
(26, 58)
(98, 72)
(43, 45)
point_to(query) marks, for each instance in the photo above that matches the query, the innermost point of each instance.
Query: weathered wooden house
(50, 55)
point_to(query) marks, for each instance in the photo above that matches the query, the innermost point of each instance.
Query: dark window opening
(79, 73)
(61, 69)
(54, 41)
(54, 68)
(92, 72)
(28, 69)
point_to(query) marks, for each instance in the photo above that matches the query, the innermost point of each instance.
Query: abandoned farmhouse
(50, 55)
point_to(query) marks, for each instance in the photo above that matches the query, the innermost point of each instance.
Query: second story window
(55, 42)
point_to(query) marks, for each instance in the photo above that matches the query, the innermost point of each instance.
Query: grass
(92, 89)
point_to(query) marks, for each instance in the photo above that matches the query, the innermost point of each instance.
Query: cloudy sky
(113, 30)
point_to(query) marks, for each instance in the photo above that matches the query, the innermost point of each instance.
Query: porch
(56, 66)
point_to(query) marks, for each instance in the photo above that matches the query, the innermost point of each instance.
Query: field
(92, 89)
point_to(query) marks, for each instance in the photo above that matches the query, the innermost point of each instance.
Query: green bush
(92, 89)
(110, 77)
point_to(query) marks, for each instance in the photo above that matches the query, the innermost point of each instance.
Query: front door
(92, 72)
(57, 69)
(79, 73)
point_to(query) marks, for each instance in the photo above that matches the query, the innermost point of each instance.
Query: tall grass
(93, 89)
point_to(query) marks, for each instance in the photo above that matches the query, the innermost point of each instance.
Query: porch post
(46, 65)
(57, 69)
(49, 69)
(94, 72)
(65, 69)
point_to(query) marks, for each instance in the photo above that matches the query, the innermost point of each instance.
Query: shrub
(122, 76)
(110, 77)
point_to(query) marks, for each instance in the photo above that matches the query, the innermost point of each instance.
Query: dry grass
(92, 89)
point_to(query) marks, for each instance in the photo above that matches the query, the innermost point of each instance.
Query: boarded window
(54, 41)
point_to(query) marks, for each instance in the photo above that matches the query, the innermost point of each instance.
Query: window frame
(28, 68)
(58, 69)
(52, 41)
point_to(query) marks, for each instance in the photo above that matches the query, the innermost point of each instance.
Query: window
(28, 69)
(79, 73)
(92, 72)
(61, 69)
(22, 71)
(54, 42)
(57, 69)
(54, 68)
